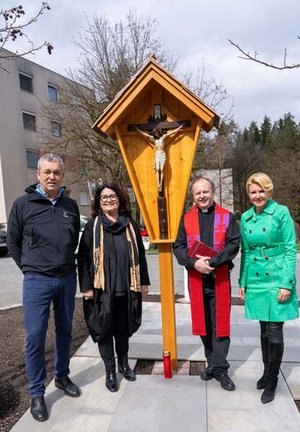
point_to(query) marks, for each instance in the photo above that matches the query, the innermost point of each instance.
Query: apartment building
(25, 88)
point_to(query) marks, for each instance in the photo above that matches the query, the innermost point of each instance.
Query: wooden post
(167, 300)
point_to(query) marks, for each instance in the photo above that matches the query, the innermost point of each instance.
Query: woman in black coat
(113, 275)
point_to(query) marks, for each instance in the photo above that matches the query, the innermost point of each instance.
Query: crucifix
(159, 131)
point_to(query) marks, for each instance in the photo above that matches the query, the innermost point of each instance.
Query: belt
(267, 251)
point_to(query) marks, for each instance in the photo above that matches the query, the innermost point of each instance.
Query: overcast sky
(196, 30)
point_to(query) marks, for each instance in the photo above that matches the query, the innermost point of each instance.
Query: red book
(202, 249)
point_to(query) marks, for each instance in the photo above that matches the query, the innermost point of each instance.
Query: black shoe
(225, 382)
(261, 383)
(128, 373)
(269, 391)
(64, 383)
(38, 409)
(206, 374)
(111, 381)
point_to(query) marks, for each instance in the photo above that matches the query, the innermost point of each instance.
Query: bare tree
(110, 55)
(211, 91)
(254, 57)
(14, 28)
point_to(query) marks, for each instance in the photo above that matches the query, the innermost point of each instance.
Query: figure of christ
(157, 140)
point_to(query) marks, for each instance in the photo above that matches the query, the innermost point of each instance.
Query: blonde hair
(262, 179)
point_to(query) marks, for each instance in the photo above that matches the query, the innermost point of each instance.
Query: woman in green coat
(267, 275)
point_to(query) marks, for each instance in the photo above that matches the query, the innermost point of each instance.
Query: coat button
(266, 258)
(291, 281)
(250, 231)
(257, 274)
(267, 274)
(255, 246)
(255, 259)
(264, 229)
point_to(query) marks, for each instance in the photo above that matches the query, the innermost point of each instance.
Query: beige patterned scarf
(98, 256)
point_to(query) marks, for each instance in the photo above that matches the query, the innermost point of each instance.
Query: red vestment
(222, 282)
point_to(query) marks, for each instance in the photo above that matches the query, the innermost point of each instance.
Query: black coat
(99, 312)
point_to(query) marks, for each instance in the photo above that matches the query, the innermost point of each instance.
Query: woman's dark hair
(124, 205)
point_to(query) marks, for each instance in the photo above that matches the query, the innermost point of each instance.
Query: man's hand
(242, 293)
(202, 266)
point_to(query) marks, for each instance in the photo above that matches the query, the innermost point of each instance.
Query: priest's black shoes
(64, 383)
(206, 374)
(225, 382)
(38, 409)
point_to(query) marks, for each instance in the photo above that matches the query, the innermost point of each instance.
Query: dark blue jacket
(42, 237)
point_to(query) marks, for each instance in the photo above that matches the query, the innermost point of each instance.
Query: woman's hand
(242, 293)
(88, 295)
(284, 295)
(145, 291)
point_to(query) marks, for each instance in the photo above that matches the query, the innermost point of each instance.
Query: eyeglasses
(105, 198)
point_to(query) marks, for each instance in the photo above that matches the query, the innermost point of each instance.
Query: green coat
(268, 263)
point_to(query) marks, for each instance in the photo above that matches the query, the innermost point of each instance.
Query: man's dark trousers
(216, 348)
(38, 293)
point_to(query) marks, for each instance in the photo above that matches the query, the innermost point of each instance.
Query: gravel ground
(14, 400)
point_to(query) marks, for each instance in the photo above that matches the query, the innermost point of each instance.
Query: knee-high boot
(261, 383)
(275, 354)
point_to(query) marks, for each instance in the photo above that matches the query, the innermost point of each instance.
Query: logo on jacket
(65, 213)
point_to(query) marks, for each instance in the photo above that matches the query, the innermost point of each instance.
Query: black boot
(275, 354)
(269, 391)
(111, 381)
(125, 369)
(261, 383)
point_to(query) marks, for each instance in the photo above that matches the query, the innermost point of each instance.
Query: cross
(159, 130)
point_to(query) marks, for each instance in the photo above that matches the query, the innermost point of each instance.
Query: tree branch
(248, 56)
(13, 29)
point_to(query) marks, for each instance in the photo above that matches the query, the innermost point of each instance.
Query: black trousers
(215, 348)
(119, 334)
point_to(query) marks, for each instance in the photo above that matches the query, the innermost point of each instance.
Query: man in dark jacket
(208, 275)
(43, 229)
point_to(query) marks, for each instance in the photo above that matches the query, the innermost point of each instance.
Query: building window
(55, 129)
(83, 198)
(52, 93)
(32, 157)
(25, 82)
(29, 121)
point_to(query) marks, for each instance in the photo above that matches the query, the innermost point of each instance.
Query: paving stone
(184, 402)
